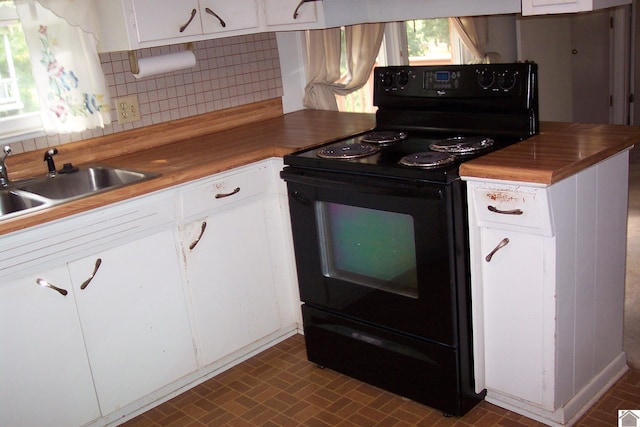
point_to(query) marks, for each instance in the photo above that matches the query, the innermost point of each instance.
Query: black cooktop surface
(389, 159)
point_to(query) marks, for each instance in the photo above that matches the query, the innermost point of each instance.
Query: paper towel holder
(133, 58)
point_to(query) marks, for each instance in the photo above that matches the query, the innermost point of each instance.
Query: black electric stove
(422, 110)
(380, 229)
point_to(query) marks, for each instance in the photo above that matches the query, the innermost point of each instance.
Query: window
(429, 42)
(418, 42)
(19, 107)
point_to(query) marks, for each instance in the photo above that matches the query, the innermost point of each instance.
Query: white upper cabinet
(219, 16)
(192, 18)
(135, 24)
(290, 12)
(541, 7)
(169, 20)
(166, 20)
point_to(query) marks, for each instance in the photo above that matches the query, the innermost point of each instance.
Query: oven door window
(380, 252)
(370, 247)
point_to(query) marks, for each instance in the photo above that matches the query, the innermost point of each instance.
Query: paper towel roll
(165, 63)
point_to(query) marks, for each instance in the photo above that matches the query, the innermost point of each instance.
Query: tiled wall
(229, 72)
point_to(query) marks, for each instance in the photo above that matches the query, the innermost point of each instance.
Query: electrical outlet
(127, 109)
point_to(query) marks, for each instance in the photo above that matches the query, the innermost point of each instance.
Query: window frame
(25, 125)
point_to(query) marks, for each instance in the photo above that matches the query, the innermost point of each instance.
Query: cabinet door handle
(295, 12)
(222, 195)
(193, 15)
(95, 270)
(506, 212)
(211, 12)
(504, 242)
(46, 284)
(195, 242)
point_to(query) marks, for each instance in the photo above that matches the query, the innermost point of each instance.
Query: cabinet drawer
(221, 190)
(512, 207)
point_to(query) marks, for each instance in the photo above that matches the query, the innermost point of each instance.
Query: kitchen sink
(13, 203)
(38, 193)
(84, 182)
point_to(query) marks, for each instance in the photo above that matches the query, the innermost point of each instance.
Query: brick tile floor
(279, 387)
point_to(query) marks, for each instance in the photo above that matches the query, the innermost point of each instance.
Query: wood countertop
(200, 146)
(187, 150)
(557, 152)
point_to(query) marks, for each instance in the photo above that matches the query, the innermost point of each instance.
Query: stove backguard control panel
(485, 99)
(488, 81)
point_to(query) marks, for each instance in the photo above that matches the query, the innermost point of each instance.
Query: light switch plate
(127, 109)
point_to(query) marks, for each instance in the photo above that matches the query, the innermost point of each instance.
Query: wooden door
(574, 55)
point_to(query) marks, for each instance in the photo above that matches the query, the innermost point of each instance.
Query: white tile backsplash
(229, 72)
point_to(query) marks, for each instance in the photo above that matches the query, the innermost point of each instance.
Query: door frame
(620, 65)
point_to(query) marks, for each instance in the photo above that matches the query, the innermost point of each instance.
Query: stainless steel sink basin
(86, 181)
(13, 203)
(42, 192)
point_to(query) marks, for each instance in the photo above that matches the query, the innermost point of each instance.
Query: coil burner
(347, 151)
(384, 138)
(427, 160)
(462, 145)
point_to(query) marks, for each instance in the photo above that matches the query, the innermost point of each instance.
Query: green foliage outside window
(427, 37)
(17, 49)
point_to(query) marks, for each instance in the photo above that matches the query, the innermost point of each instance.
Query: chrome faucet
(4, 175)
(51, 166)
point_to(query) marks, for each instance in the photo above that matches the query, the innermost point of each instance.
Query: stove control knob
(403, 78)
(486, 78)
(386, 80)
(507, 80)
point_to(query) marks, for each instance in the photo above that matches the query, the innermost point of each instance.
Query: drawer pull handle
(504, 242)
(184, 27)
(95, 270)
(222, 195)
(507, 212)
(211, 12)
(46, 284)
(195, 242)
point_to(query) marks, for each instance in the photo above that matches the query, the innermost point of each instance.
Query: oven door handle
(363, 184)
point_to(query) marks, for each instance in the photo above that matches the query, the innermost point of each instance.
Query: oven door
(380, 250)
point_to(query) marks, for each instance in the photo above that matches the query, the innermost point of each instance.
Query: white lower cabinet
(514, 306)
(547, 274)
(135, 304)
(45, 379)
(134, 317)
(113, 330)
(229, 264)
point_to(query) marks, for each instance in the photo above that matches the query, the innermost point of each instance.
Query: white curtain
(324, 79)
(65, 64)
(474, 32)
